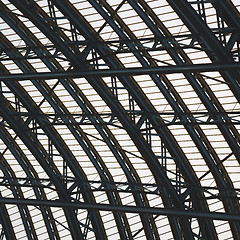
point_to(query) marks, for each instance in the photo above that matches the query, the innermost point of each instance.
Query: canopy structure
(120, 119)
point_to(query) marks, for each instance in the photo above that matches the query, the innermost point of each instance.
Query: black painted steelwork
(52, 156)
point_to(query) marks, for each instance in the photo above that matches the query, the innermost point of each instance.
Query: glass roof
(118, 140)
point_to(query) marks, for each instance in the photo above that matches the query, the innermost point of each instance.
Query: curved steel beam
(190, 18)
(25, 67)
(204, 152)
(110, 23)
(30, 173)
(52, 67)
(23, 210)
(221, 54)
(63, 49)
(218, 169)
(39, 152)
(116, 106)
(6, 222)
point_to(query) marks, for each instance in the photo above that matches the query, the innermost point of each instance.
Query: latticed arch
(119, 119)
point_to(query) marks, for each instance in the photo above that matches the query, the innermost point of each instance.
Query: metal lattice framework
(119, 119)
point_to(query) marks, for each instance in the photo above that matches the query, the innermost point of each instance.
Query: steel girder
(121, 72)
(79, 50)
(106, 140)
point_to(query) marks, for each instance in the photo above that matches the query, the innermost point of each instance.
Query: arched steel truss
(120, 119)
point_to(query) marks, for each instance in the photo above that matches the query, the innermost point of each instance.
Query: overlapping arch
(119, 119)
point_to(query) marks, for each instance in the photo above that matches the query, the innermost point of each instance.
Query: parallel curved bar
(119, 119)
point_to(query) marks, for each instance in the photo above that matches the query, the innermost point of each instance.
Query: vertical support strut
(221, 26)
(65, 171)
(148, 132)
(237, 54)
(95, 63)
(131, 108)
(74, 38)
(178, 178)
(53, 17)
(163, 156)
(17, 104)
(201, 10)
(114, 86)
(86, 227)
(50, 153)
